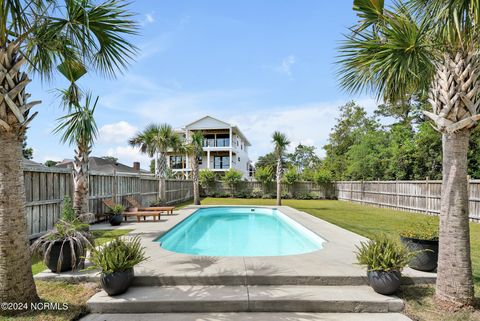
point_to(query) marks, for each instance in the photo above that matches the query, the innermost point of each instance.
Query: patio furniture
(132, 201)
(138, 214)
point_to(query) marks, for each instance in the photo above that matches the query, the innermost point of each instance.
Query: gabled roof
(208, 122)
(106, 166)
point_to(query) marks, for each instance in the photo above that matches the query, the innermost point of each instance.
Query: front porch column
(208, 159)
(230, 153)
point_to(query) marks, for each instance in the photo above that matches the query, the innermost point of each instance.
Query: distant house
(225, 146)
(105, 166)
(30, 163)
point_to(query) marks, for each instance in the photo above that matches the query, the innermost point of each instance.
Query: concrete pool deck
(334, 264)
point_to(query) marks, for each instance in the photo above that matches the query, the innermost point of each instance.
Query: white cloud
(127, 155)
(116, 133)
(307, 124)
(147, 19)
(285, 66)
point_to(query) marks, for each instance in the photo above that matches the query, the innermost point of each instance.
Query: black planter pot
(117, 282)
(425, 260)
(116, 219)
(385, 282)
(66, 264)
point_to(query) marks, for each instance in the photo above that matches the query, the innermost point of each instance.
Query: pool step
(249, 316)
(158, 299)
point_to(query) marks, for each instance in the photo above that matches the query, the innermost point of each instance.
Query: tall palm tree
(194, 150)
(79, 128)
(280, 142)
(35, 37)
(156, 140)
(418, 47)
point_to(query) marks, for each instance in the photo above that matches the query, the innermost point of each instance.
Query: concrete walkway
(249, 317)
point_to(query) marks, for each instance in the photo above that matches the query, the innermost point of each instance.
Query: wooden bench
(132, 201)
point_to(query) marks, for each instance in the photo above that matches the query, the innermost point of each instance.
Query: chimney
(136, 166)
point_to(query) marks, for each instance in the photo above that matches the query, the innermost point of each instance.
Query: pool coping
(334, 264)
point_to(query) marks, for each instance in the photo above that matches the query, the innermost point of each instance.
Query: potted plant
(384, 258)
(116, 261)
(64, 247)
(423, 239)
(116, 218)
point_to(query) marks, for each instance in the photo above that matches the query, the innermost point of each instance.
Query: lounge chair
(138, 214)
(139, 207)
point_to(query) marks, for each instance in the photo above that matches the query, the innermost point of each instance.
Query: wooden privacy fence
(416, 196)
(46, 188)
(295, 190)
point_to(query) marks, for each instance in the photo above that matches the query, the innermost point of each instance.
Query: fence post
(362, 192)
(114, 186)
(397, 194)
(427, 195)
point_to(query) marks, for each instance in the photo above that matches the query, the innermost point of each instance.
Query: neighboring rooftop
(107, 166)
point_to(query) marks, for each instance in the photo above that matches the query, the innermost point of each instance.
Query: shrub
(286, 195)
(257, 192)
(267, 196)
(291, 176)
(323, 176)
(242, 194)
(119, 255)
(304, 196)
(68, 213)
(264, 175)
(232, 177)
(207, 178)
(383, 254)
(157, 202)
(422, 230)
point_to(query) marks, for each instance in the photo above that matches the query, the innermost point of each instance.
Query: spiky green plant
(121, 254)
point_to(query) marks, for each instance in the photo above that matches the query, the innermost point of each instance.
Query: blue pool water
(240, 231)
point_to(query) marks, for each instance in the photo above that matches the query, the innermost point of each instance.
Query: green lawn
(101, 237)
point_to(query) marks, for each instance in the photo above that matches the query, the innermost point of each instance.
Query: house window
(177, 162)
(200, 160)
(239, 159)
(221, 162)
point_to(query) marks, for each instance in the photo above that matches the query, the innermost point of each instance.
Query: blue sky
(261, 65)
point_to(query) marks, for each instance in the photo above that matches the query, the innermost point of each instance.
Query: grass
(74, 295)
(101, 237)
(368, 221)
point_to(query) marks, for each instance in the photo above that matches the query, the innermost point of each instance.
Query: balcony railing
(219, 142)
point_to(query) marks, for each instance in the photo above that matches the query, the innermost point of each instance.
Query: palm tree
(39, 35)
(156, 140)
(79, 128)
(194, 150)
(427, 46)
(281, 143)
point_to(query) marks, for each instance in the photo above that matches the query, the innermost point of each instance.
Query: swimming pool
(240, 231)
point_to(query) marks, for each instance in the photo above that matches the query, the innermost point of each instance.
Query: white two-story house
(225, 146)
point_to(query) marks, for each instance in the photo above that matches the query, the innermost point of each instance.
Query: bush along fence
(415, 196)
(46, 188)
(248, 189)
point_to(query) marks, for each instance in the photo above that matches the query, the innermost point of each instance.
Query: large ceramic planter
(117, 282)
(66, 264)
(116, 219)
(427, 259)
(385, 282)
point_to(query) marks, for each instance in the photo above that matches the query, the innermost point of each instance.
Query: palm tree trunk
(279, 182)
(80, 180)
(16, 280)
(196, 185)
(162, 165)
(454, 96)
(454, 274)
